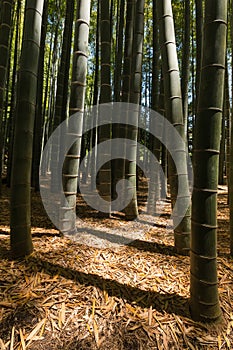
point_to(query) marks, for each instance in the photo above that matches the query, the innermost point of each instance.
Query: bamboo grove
(61, 57)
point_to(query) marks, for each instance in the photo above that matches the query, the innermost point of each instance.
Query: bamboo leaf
(12, 338)
(22, 339)
(36, 330)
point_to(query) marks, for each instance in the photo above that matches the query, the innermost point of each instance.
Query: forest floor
(70, 295)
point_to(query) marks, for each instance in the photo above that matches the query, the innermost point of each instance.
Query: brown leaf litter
(69, 295)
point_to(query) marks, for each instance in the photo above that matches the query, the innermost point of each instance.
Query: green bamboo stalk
(229, 143)
(131, 210)
(38, 128)
(61, 81)
(5, 34)
(119, 52)
(199, 45)
(128, 50)
(155, 144)
(174, 113)
(20, 214)
(10, 134)
(77, 98)
(186, 63)
(204, 303)
(104, 131)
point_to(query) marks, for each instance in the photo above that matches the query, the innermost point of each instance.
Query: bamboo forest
(116, 163)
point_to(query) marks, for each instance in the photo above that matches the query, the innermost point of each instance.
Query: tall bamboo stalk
(20, 215)
(77, 98)
(204, 282)
(5, 34)
(174, 113)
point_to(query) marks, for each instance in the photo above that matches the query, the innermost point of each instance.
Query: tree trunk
(131, 210)
(11, 124)
(186, 63)
(128, 50)
(230, 184)
(71, 164)
(38, 128)
(155, 144)
(117, 164)
(5, 33)
(199, 46)
(204, 283)
(96, 79)
(20, 215)
(229, 141)
(104, 131)
(222, 153)
(174, 113)
(119, 53)
(60, 103)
